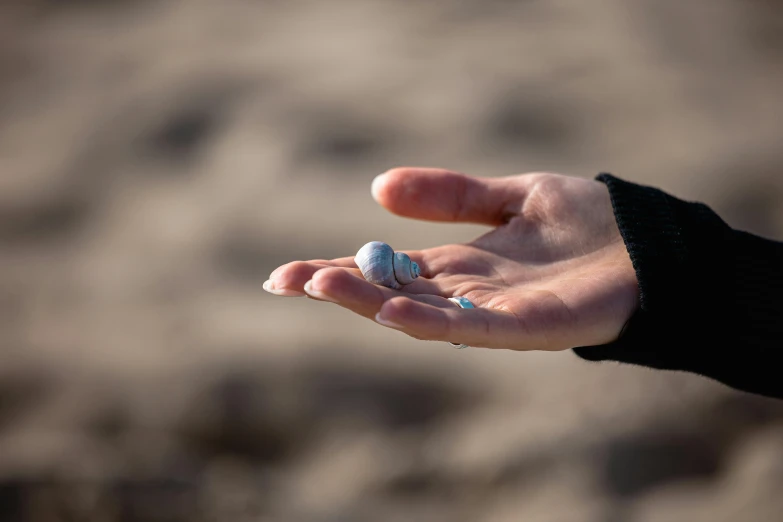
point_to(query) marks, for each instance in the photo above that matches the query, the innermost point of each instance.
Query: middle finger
(291, 277)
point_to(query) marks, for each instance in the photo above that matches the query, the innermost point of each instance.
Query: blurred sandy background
(159, 159)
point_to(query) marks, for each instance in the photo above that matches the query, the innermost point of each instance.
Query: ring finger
(347, 288)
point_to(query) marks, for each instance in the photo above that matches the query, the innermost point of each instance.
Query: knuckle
(404, 305)
(293, 269)
(328, 277)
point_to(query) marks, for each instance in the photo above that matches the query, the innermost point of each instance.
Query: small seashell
(381, 265)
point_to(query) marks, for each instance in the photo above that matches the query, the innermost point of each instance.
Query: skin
(552, 274)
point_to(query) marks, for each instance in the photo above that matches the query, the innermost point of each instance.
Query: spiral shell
(381, 265)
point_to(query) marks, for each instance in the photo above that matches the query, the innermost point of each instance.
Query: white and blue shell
(381, 265)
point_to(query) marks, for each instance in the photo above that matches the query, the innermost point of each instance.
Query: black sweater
(711, 296)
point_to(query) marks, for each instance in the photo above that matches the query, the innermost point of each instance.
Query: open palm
(553, 273)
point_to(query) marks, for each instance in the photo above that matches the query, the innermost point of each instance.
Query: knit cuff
(673, 246)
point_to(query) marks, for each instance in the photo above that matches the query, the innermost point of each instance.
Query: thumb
(443, 195)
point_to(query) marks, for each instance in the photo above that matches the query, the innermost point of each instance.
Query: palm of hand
(554, 274)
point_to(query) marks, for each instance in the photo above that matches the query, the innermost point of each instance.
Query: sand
(159, 159)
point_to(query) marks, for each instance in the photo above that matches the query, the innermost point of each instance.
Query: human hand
(553, 274)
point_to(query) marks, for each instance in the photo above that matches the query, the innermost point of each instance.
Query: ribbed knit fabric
(711, 296)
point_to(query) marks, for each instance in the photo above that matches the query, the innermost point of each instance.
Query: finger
(288, 280)
(478, 327)
(442, 195)
(350, 290)
(422, 316)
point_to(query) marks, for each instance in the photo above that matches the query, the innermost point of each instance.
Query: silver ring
(462, 302)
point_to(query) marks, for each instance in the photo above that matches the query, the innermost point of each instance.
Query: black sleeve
(711, 296)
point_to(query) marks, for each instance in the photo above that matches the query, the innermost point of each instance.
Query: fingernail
(376, 185)
(386, 322)
(312, 292)
(269, 286)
